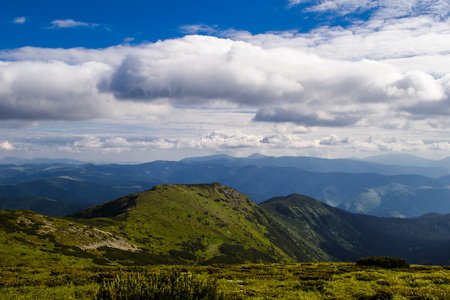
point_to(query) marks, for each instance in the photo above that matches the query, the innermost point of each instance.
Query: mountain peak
(256, 156)
(208, 223)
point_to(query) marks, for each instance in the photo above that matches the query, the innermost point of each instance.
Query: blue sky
(145, 80)
(100, 24)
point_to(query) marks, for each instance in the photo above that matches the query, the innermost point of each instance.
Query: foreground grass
(255, 281)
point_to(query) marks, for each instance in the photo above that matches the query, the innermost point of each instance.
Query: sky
(138, 81)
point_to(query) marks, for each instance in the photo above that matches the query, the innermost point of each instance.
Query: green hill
(210, 224)
(206, 223)
(31, 239)
(344, 236)
(171, 224)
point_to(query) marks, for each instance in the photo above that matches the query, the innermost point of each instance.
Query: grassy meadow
(244, 281)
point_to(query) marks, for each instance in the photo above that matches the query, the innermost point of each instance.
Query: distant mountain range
(408, 160)
(11, 160)
(366, 187)
(210, 224)
(393, 164)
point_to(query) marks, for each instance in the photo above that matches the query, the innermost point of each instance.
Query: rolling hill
(171, 224)
(346, 236)
(212, 223)
(206, 223)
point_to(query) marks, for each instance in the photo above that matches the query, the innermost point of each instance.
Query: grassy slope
(207, 223)
(32, 239)
(317, 225)
(344, 236)
(211, 223)
(173, 224)
(248, 281)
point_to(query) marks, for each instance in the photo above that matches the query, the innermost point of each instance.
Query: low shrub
(159, 285)
(385, 262)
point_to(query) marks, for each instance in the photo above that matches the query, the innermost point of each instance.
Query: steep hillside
(212, 223)
(43, 205)
(170, 224)
(31, 239)
(207, 223)
(346, 236)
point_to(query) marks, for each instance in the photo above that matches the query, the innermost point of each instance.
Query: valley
(356, 186)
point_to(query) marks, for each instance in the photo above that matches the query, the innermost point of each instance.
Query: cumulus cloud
(197, 69)
(240, 142)
(291, 92)
(116, 144)
(286, 85)
(283, 84)
(223, 140)
(52, 91)
(318, 118)
(284, 77)
(112, 56)
(6, 146)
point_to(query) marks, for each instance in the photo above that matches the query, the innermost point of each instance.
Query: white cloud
(20, 20)
(283, 84)
(382, 9)
(6, 146)
(52, 90)
(68, 23)
(197, 70)
(310, 92)
(198, 28)
(295, 2)
(112, 56)
(116, 144)
(128, 40)
(222, 140)
(343, 7)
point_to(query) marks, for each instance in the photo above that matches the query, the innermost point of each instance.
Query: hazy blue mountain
(399, 201)
(402, 159)
(405, 195)
(46, 161)
(59, 196)
(314, 164)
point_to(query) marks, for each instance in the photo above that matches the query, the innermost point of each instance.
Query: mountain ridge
(212, 223)
(400, 195)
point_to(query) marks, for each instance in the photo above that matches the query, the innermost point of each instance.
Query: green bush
(165, 285)
(385, 262)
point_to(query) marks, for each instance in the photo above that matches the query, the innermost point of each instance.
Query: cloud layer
(283, 84)
(385, 74)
